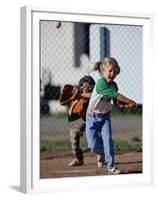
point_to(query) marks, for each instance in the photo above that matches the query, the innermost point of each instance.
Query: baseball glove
(68, 93)
(80, 108)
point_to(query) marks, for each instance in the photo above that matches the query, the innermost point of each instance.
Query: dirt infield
(55, 164)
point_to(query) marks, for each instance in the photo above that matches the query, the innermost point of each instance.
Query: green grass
(126, 111)
(55, 116)
(135, 144)
(46, 145)
(126, 146)
(135, 139)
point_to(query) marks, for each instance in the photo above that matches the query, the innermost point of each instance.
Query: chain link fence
(68, 51)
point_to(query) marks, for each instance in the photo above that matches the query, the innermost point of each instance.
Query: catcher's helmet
(88, 79)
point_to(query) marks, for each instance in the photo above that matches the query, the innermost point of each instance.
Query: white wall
(9, 101)
(58, 54)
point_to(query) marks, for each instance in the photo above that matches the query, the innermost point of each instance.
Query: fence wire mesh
(68, 51)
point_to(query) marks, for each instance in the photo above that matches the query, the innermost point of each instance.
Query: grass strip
(135, 144)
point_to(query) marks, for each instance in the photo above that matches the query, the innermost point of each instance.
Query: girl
(98, 119)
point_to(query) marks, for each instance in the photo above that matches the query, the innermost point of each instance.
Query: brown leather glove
(71, 93)
(68, 93)
(80, 108)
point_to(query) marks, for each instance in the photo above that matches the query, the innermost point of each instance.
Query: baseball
(58, 24)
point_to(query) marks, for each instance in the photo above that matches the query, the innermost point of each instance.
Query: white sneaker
(100, 161)
(75, 162)
(114, 171)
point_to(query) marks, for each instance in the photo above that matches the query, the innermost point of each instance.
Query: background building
(69, 52)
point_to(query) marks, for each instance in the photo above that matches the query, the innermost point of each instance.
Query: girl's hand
(121, 104)
(131, 104)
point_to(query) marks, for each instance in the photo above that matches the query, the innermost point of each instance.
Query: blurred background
(68, 51)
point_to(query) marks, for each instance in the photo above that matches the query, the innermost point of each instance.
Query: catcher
(77, 99)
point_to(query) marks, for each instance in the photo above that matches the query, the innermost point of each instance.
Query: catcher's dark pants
(75, 136)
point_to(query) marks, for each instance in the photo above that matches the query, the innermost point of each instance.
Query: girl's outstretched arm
(129, 103)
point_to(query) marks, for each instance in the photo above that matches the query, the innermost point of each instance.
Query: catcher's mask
(88, 79)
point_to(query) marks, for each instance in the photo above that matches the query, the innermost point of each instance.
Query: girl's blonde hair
(107, 60)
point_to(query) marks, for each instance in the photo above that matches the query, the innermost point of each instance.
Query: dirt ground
(55, 164)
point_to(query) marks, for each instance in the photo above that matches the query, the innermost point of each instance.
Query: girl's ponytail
(97, 66)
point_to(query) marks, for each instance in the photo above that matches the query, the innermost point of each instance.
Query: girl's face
(109, 72)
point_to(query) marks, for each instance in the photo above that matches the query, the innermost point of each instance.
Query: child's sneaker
(75, 162)
(100, 161)
(114, 171)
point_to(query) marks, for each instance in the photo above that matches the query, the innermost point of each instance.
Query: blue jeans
(96, 126)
